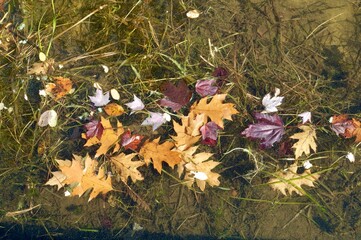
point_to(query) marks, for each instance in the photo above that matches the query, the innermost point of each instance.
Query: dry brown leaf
(216, 110)
(291, 181)
(306, 141)
(108, 139)
(355, 131)
(81, 178)
(157, 153)
(199, 170)
(60, 88)
(114, 109)
(42, 68)
(125, 167)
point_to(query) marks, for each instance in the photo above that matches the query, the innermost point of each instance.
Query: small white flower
(67, 193)
(350, 157)
(42, 92)
(2, 106)
(105, 68)
(307, 164)
(10, 109)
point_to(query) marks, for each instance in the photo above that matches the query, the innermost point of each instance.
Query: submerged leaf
(136, 105)
(206, 87)
(49, 117)
(156, 120)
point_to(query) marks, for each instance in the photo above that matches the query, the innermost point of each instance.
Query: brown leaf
(157, 153)
(125, 167)
(216, 110)
(60, 88)
(42, 68)
(113, 109)
(291, 181)
(108, 139)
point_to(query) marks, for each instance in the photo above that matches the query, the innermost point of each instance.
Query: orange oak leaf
(125, 167)
(114, 109)
(188, 133)
(108, 139)
(81, 177)
(216, 110)
(60, 88)
(157, 153)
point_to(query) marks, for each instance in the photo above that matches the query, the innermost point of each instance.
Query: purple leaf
(269, 129)
(220, 72)
(210, 133)
(99, 99)
(156, 119)
(94, 128)
(177, 96)
(306, 117)
(206, 87)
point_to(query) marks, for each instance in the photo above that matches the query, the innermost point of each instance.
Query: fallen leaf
(354, 131)
(100, 99)
(269, 129)
(188, 132)
(94, 128)
(130, 141)
(206, 87)
(306, 141)
(136, 105)
(42, 68)
(156, 120)
(60, 88)
(177, 96)
(113, 109)
(339, 124)
(157, 153)
(291, 181)
(306, 117)
(125, 167)
(199, 170)
(49, 117)
(271, 103)
(210, 133)
(216, 110)
(108, 139)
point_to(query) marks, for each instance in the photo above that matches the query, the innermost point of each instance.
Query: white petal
(193, 14)
(49, 117)
(105, 68)
(2, 106)
(115, 94)
(200, 175)
(42, 57)
(307, 165)
(350, 157)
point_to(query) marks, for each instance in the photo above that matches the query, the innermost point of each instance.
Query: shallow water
(296, 44)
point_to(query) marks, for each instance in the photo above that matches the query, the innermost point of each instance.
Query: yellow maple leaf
(291, 181)
(125, 167)
(108, 139)
(306, 141)
(157, 153)
(198, 170)
(216, 110)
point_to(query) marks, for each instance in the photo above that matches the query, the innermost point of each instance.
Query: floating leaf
(269, 129)
(306, 141)
(206, 87)
(271, 103)
(177, 96)
(125, 167)
(49, 117)
(210, 133)
(60, 88)
(100, 99)
(157, 153)
(216, 110)
(130, 141)
(136, 105)
(114, 109)
(156, 120)
(94, 128)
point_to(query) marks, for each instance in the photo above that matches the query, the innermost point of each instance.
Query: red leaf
(131, 142)
(94, 128)
(269, 129)
(210, 133)
(206, 87)
(177, 96)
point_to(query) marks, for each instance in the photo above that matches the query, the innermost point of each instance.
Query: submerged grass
(262, 44)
